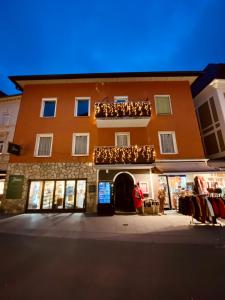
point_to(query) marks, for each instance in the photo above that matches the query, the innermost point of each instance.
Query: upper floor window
(122, 139)
(167, 142)
(48, 108)
(120, 99)
(82, 107)
(43, 146)
(80, 144)
(163, 105)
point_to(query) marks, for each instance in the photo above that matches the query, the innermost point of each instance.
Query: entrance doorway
(123, 187)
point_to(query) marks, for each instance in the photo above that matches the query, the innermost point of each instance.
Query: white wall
(215, 89)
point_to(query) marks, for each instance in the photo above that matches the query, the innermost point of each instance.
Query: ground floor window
(57, 194)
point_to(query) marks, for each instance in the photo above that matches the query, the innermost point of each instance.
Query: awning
(217, 163)
(183, 167)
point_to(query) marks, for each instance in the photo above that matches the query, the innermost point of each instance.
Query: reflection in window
(80, 194)
(35, 195)
(48, 195)
(59, 194)
(70, 187)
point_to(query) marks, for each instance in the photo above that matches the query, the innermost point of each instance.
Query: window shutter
(44, 148)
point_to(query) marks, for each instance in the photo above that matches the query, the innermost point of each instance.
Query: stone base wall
(43, 171)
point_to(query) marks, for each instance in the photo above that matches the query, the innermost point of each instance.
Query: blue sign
(104, 195)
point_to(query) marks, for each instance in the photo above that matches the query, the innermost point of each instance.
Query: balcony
(124, 155)
(129, 114)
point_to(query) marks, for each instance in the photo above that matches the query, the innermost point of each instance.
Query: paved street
(76, 256)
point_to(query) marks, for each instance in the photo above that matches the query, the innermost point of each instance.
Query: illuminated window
(1, 146)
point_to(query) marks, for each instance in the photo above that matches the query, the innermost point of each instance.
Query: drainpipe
(151, 183)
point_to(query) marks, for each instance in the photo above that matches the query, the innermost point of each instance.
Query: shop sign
(15, 187)
(14, 148)
(104, 192)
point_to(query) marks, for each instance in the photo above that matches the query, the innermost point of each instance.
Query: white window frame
(43, 106)
(76, 103)
(116, 98)
(174, 142)
(38, 136)
(74, 143)
(122, 133)
(160, 114)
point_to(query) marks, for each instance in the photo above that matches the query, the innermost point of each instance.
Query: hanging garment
(221, 208)
(215, 207)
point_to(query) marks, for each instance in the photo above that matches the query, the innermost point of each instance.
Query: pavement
(169, 228)
(85, 256)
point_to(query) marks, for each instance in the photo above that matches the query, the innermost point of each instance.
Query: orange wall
(182, 121)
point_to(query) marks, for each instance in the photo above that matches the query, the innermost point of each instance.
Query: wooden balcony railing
(124, 155)
(120, 110)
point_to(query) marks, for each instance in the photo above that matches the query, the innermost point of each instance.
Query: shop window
(122, 139)
(80, 194)
(167, 142)
(69, 200)
(34, 200)
(43, 147)
(48, 194)
(163, 105)
(120, 99)
(1, 146)
(80, 144)
(48, 108)
(82, 107)
(2, 184)
(59, 194)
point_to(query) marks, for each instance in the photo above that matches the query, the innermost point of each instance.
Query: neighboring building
(86, 139)
(209, 99)
(9, 108)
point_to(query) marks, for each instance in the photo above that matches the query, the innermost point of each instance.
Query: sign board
(14, 149)
(92, 188)
(104, 193)
(15, 187)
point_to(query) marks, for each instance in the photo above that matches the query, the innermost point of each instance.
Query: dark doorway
(123, 187)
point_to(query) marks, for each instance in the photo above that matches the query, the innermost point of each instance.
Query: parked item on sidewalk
(162, 198)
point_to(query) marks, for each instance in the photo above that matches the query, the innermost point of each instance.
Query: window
(48, 108)
(43, 147)
(80, 144)
(120, 99)
(122, 139)
(167, 142)
(82, 107)
(163, 105)
(1, 146)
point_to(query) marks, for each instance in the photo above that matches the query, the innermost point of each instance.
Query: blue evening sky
(70, 36)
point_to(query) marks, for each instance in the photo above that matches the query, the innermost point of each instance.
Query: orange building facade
(87, 139)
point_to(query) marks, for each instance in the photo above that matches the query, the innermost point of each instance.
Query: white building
(9, 108)
(208, 92)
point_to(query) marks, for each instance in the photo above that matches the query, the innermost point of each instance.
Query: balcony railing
(129, 114)
(124, 155)
(120, 110)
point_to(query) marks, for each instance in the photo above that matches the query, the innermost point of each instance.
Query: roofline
(17, 78)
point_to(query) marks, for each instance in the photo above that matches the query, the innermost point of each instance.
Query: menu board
(104, 195)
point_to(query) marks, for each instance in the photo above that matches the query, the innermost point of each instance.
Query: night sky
(70, 36)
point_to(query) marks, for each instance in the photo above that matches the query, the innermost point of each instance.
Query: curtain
(163, 105)
(122, 140)
(44, 145)
(81, 144)
(167, 143)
